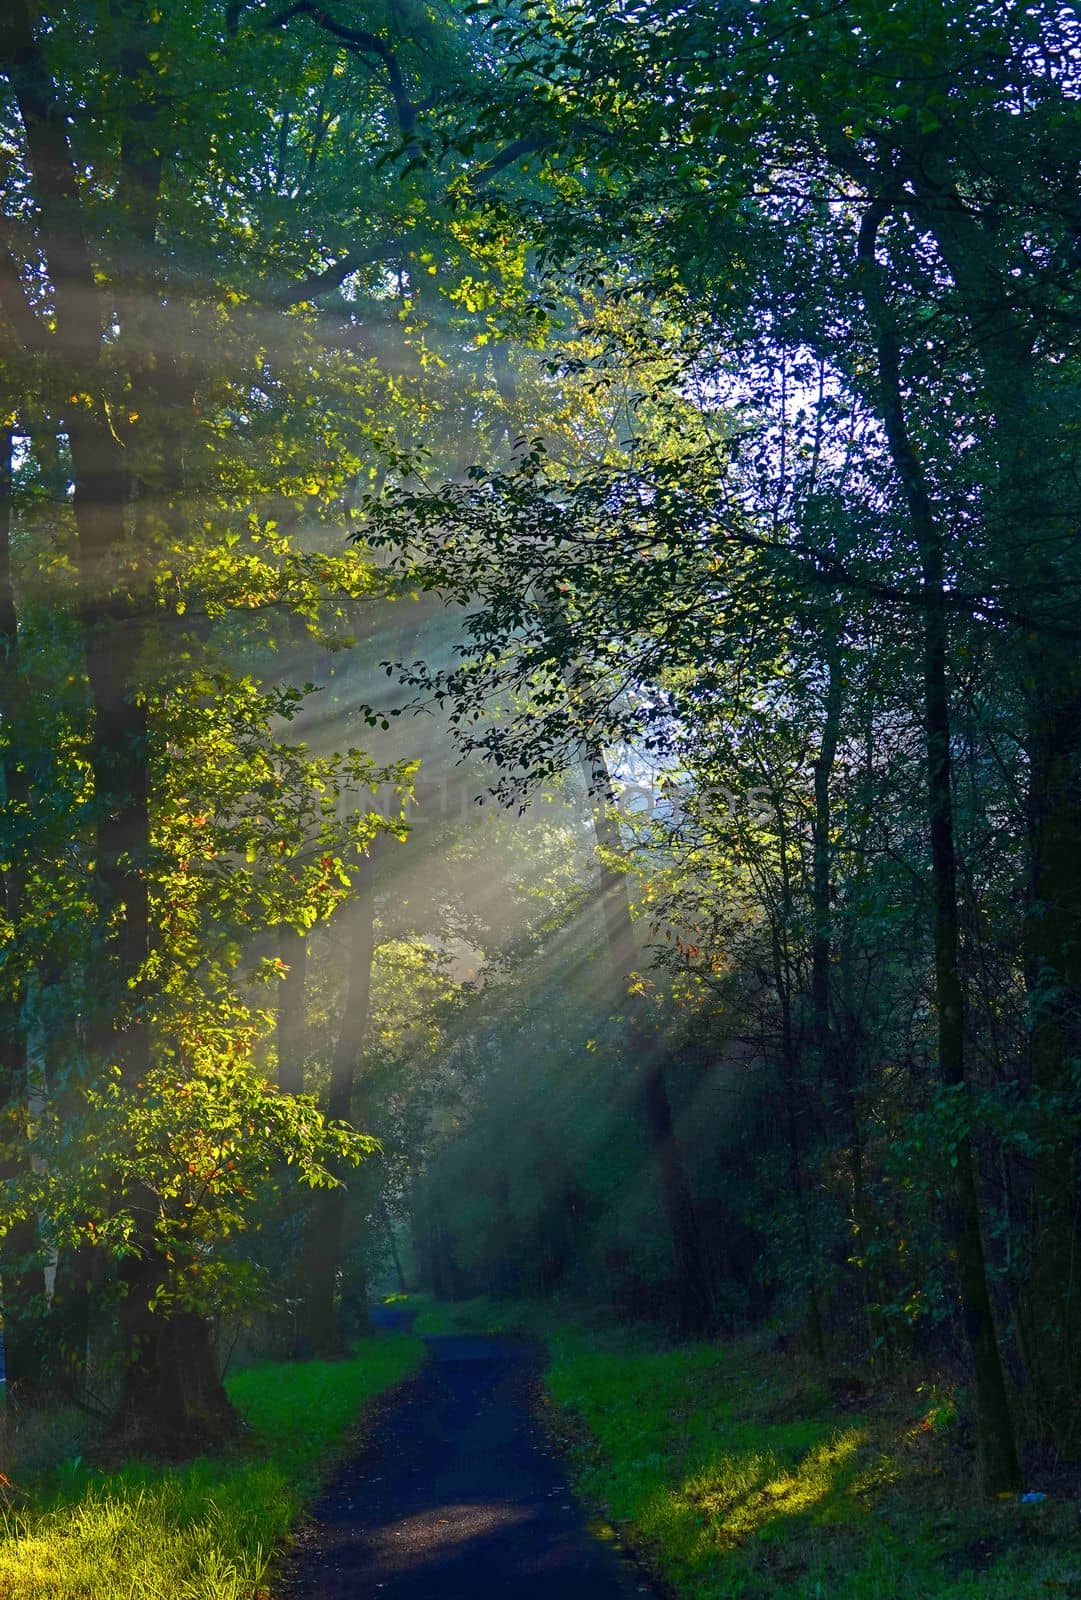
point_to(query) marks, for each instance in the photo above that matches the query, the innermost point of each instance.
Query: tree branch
(30, 331)
(360, 42)
(512, 152)
(334, 276)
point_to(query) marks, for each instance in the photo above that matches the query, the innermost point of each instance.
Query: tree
(790, 132)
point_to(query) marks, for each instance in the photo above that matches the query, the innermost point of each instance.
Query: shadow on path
(457, 1495)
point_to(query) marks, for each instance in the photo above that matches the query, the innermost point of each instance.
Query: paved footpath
(456, 1495)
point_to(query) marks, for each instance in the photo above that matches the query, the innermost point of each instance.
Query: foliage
(733, 1474)
(753, 518)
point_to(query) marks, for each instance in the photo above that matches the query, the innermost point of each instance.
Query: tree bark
(173, 1400)
(291, 1025)
(166, 1367)
(1000, 1470)
(835, 1068)
(392, 1242)
(821, 889)
(793, 1087)
(1028, 510)
(694, 1303)
(320, 1321)
(1053, 1312)
(22, 1277)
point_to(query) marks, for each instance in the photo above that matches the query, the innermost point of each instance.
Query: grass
(208, 1530)
(728, 1468)
(734, 1475)
(470, 1316)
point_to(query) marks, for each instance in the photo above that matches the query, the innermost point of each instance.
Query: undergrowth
(737, 1473)
(208, 1530)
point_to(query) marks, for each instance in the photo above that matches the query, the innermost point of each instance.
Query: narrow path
(457, 1496)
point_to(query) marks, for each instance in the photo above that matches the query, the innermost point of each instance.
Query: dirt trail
(456, 1495)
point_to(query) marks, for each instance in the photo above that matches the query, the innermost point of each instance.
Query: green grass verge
(466, 1316)
(732, 1473)
(208, 1530)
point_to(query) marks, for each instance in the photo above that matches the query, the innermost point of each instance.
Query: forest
(540, 756)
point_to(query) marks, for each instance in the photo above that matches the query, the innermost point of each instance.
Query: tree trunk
(113, 640)
(835, 1068)
(392, 1242)
(998, 1451)
(694, 1307)
(22, 1278)
(322, 1332)
(291, 1026)
(793, 1088)
(173, 1400)
(694, 1304)
(822, 909)
(1031, 509)
(994, 1425)
(1053, 1313)
(437, 1248)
